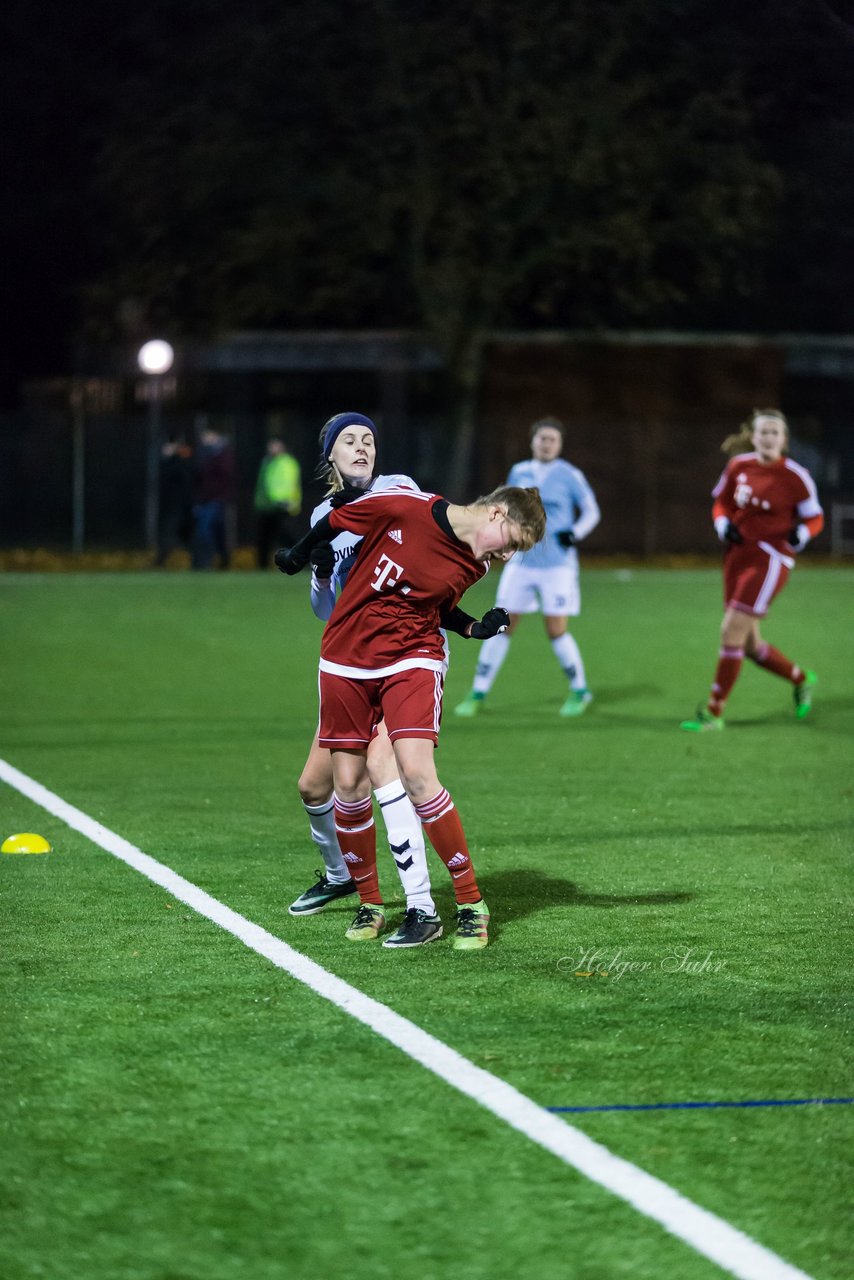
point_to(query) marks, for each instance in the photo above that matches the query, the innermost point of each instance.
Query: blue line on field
(690, 1106)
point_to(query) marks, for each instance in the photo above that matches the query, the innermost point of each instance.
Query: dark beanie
(336, 425)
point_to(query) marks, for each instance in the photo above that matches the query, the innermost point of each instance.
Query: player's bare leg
(334, 881)
(405, 836)
(443, 828)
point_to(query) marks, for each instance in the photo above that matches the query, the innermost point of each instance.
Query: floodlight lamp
(155, 356)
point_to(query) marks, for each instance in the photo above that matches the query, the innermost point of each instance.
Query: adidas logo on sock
(396, 535)
(458, 860)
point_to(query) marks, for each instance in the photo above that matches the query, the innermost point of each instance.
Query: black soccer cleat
(417, 927)
(320, 895)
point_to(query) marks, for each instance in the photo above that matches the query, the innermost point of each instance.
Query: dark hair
(554, 424)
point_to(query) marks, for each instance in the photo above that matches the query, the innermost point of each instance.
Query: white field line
(709, 1235)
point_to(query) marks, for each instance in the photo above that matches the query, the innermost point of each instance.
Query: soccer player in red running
(765, 509)
(382, 657)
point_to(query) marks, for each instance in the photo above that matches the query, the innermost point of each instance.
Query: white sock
(321, 819)
(406, 841)
(492, 653)
(568, 655)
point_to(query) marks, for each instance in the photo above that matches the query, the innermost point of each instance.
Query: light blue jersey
(569, 502)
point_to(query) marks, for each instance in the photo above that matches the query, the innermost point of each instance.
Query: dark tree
(458, 169)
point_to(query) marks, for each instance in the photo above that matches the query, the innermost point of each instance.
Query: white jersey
(570, 505)
(345, 545)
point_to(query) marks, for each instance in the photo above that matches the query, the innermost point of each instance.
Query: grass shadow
(525, 893)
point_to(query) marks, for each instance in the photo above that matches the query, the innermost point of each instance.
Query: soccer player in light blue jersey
(545, 579)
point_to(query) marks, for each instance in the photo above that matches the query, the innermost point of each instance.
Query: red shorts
(410, 702)
(754, 573)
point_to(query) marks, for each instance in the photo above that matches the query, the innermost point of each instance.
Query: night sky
(378, 165)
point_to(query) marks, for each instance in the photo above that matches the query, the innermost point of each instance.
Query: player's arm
(292, 559)
(809, 516)
(358, 517)
(724, 508)
(804, 531)
(322, 592)
(589, 514)
(492, 622)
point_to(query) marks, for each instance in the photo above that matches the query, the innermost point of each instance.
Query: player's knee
(420, 785)
(314, 790)
(382, 766)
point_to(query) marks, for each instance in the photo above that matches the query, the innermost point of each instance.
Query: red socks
(444, 830)
(726, 674)
(776, 662)
(357, 840)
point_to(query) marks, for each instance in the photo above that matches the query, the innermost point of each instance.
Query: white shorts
(553, 592)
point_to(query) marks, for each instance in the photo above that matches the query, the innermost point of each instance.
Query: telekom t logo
(388, 574)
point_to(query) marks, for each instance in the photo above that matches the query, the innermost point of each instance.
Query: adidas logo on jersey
(395, 535)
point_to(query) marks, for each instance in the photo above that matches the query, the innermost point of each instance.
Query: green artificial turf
(176, 1108)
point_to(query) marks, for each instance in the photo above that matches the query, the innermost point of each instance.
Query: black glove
(291, 560)
(731, 534)
(492, 622)
(323, 560)
(345, 495)
(794, 538)
(566, 538)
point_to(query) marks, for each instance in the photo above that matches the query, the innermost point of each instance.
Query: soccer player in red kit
(765, 509)
(382, 658)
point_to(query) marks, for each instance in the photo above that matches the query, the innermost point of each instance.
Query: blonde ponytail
(741, 441)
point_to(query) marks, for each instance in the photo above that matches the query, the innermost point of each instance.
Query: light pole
(155, 358)
(78, 465)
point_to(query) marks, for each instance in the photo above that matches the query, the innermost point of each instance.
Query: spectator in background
(214, 491)
(175, 500)
(278, 497)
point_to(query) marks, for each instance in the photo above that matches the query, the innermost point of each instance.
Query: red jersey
(409, 569)
(765, 500)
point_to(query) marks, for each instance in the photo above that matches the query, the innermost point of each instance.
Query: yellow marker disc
(25, 843)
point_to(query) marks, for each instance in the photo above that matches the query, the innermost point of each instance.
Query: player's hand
(566, 538)
(323, 560)
(799, 537)
(345, 495)
(731, 534)
(290, 560)
(492, 622)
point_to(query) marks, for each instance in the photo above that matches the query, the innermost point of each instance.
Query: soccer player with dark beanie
(348, 445)
(382, 658)
(766, 509)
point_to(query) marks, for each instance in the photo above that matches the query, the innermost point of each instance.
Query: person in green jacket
(278, 497)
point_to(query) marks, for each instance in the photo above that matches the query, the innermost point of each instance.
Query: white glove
(799, 537)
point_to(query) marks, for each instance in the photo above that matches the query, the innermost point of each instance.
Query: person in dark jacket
(214, 491)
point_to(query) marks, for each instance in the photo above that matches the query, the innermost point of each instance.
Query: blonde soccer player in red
(382, 658)
(766, 510)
